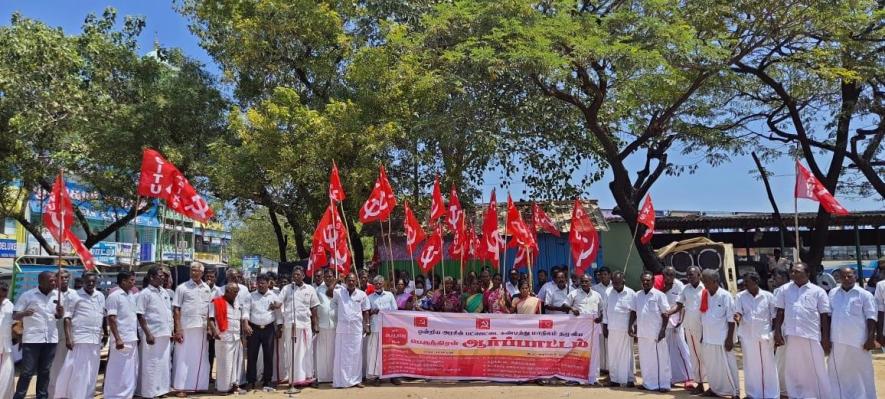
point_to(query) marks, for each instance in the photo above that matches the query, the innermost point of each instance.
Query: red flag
(414, 232)
(431, 255)
(161, 179)
(491, 238)
(460, 241)
(807, 186)
(454, 213)
(58, 217)
(318, 256)
(517, 227)
(475, 245)
(522, 258)
(381, 202)
(336, 192)
(81, 250)
(583, 239)
(155, 174)
(437, 207)
(543, 221)
(647, 218)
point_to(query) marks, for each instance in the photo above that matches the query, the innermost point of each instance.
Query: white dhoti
(851, 373)
(603, 353)
(121, 373)
(325, 354)
(695, 355)
(373, 355)
(191, 362)
(282, 359)
(595, 354)
(347, 369)
(228, 364)
(760, 369)
(155, 359)
(807, 375)
(365, 357)
(76, 379)
(620, 357)
(780, 358)
(61, 353)
(7, 375)
(301, 352)
(722, 371)
(680, 359)
(654, 363)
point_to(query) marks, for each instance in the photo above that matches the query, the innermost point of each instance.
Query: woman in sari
(525, 303)
(473, 301)
(404, 299)
(447, 299)
(496, 298)
(423, 298)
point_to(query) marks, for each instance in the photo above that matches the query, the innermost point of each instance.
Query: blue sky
(730, 187)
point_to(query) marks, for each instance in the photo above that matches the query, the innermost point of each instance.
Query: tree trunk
(35, 232)
(298, 235)
(359, 255)
(282, 240)
(627, 206)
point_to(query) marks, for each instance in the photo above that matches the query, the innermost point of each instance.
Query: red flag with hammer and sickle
(437, 206)
(517, 227)
(161, 179)
(336, 191)
(543, 221)
(491, 238)
(808, 186)
(583, 239)
(381, 202)
(431, 255)
(647, 218)
(58, 217)
(414, 233)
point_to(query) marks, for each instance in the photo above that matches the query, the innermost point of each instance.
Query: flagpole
(504, 252)
(630, 249)
(159, 250)
(391, 283)
(347, 230)
(412, 263)
(134, 233)
(795, 214)
(528, 265)
(60, 238)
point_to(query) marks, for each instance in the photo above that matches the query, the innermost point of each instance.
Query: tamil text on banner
(492, 347)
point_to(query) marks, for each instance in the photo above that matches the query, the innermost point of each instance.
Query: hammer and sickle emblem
(427, 255)
(198, 206)
(374, 206)
(410, 235)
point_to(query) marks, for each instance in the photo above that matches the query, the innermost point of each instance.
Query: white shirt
(603, 291)
(511, 289)
(381, 302)
(757, 312)
(649, 308)
(802, 309)
(880, 295)
(67, 296)
(218, 291)
(587, 303)
(617, 309)
(258, 308)
(349, 308)
(690, 298)
(193, 300)
(851, 310)
(242, 294)
(325, 311)
(40, 327)
(556, 297)
(86, 313)
(297, 303)
(673, 297)
(720, 312)
(122, 305)
(6, 326)
(234, 316)
(542, 293)
(155, 305)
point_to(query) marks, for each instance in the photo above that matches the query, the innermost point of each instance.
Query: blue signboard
(7, 247)
(105, 252)
(86, 199)
(25, 277)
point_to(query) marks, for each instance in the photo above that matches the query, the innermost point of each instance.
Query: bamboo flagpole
(797, 255)
(159, 250)
(132, 253)
(391, 283)
(528, 266)
(60, 239)
(630, 248)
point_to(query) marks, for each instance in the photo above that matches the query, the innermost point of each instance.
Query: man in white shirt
(555, 302)
(210, 277)
(83, 322)
(299, 326)
(754, 311)
(689, 304)
(880, 304)
(227, 337)
(326, 319)
(38, 309)
(803, 325)
(547, 285)
(235, 277)
(190, 308)
(680, 363)
(264, 326)
(718, 338)
(852, 330)
(121, 375)
(352, 310)
(62, 279)
(616, 330)
(586, 301)
(648, 323)
(779, 279)
(512, 285)
(7, 366)
(380, 300)
(153, 308)
(603, 288)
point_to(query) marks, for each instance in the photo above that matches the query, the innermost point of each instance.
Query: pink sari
(495, 300)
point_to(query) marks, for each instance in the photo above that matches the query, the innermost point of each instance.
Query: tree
(88, 104)
(254, 235)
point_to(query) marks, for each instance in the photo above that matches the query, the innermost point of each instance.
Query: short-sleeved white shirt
(381, 302)
(649, 308)
(155, 305)
(556, 297)
(802, 309)
(715, 320)
(617, 309)
(690, 298)
(86, 313)
(326, 315)
(40, 327)
(234, 316)
(603, 291)
(587, 303)
(757, 312)
(880, 295)
(673, 297)
(851, 309)
(122, 305)
(511, 289)
(6, 326)
(297, 303)
(349, 308)
(193, 301)
(258, 308)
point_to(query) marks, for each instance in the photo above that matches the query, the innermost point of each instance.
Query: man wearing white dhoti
(352, 310)
(299, 310)
(190, 308)
(153, 308)
(717, 318)
(235, 277)
(586, 301)
(689, 304)
(779, 278)
(226, 320)
(324, 348)
(852, 329)
(603, 287)
(648, 322)
(754, 311)
(680, 363)
(83, 322)
(380, 300)
(616, 329)
(265, 325)
(121, 374)
(880, 303)
(38, 309)
(7, 365)
(803, 326)
(61, 351)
